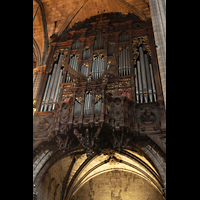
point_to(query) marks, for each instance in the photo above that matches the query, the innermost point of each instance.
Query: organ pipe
(57, 88)
(73, 63)
(97, 108)
(45, 93)
(53, 90)
(152, 81)
(120, 64)
(140, 81)
(143, 72)
(88, 104)
(99, 42)
(97, 68)
(86, 54)
(129, 64)
(77, 108)
(136, 85)
(124, 63)
(50, 87)
(148, 78)
(84, 70)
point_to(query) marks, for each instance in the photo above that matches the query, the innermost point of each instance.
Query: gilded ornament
(138, 41)
(79, 99)
(97, 97)
(113, 43)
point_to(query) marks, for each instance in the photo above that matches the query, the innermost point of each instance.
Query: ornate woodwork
(120, 119)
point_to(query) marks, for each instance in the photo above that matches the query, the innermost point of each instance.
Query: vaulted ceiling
(53, 16)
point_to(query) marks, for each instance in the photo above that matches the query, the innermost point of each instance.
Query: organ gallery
(99, 126)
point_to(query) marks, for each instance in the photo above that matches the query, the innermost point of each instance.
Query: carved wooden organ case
(101, 86)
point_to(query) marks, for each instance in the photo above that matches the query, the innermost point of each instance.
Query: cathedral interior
(99, 99)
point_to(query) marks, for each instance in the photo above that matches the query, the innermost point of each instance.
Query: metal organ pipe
(148, 78)
(129, 66)
(144, 82)
(120, 64)
(136, 85)
(45, 93)
(97, 68)
(77, 108)
(152, 81)
(57, 88)
(140, 82)
(124, 63)
(144, 79)
(97, 108)
(55, 82)
(88, 104)
(50, 87)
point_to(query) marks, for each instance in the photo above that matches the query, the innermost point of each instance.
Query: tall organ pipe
(153, 83)
(140, 82)
(148, 78)
(50, 87)
(127, 63)
(76, 65)
(55, 82)
(129, 66)
(45, 93)
(87, 106)
(97, 67)
(144, 83)
(57, 88)
(120, 64)
(124, 63)
(136, 85)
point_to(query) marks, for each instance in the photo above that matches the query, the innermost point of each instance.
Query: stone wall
(117, 185)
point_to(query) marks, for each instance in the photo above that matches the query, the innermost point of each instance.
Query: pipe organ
(88, 104)
(52, 87)
(84, 70)
(97, 107)
(97, 68)
(73, 63)
(76, 45)
(77, 108)
(90, 56)
(99, 42)
(124, 63)
(102, 87)
(86, 54)
(144, 79)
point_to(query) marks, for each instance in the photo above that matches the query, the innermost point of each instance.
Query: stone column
(158, 15)
(37, 84)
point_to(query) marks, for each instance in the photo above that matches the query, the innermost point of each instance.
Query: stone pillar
(158, 15)
(39, 70)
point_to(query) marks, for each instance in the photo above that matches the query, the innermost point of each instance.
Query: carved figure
(148, 117)
(43, 124)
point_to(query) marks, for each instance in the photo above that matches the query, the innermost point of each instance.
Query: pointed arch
(70, 20)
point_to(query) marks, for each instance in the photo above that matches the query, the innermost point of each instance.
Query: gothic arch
(144, 160)
(36, 52)
(78, 16)
(45, 34)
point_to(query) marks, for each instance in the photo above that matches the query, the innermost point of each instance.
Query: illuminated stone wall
(117, 185)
